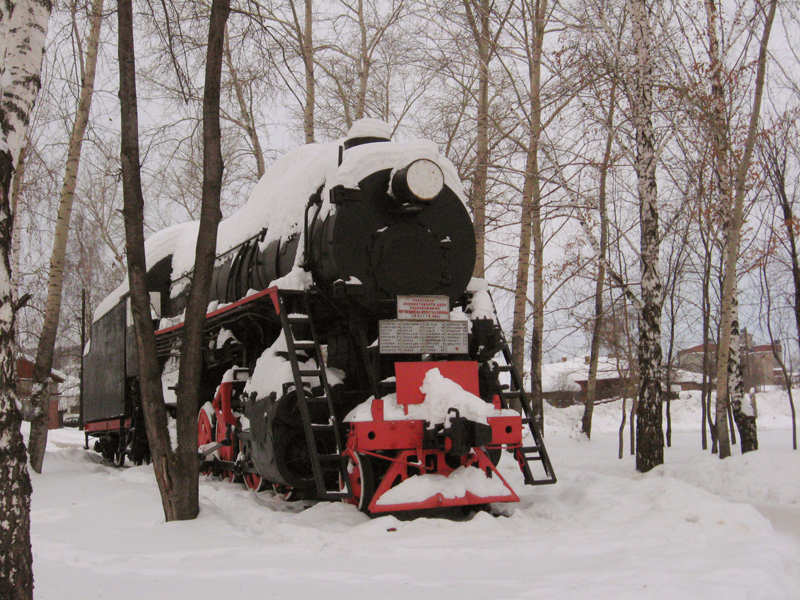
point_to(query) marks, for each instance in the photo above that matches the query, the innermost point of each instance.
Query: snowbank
(688, 530)
(686, 412)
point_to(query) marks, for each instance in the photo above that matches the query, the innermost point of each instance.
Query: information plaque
(423, 337)
(423, 308)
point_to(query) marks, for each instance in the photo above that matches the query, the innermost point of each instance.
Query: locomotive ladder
(322, 433)
(524, 454)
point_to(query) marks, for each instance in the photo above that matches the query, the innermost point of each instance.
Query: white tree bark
(733, 222)
(23, 29)
(649, 435)
(47, 339)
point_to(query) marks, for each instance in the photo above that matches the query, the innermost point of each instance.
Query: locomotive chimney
(366, 131)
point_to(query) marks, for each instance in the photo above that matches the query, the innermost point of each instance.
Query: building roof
(25, 370)
(713, 347)
(565, 375)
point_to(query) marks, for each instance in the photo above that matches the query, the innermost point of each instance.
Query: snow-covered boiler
(349, 353)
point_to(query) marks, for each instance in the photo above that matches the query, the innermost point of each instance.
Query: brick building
(24, 385)
(759, 365)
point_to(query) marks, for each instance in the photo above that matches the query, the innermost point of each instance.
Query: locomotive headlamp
(418, 183)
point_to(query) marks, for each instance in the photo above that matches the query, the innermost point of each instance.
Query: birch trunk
(733, 222)
(47, 339)
(743, 413)
(530, 225)
(24, 29)
(649, 435)
(16, 190)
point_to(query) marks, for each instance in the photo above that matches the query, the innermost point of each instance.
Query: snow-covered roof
(279, 199)
(565, 375)
(683, 376)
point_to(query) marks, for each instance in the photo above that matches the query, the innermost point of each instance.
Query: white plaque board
(423, 337)
(423, 308)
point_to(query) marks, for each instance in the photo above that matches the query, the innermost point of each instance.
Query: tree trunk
(775, 159)
(133, 212)
(744, 417)
(16, 560)
(705, 388)
(733, 221)
(247, 117)
(649, 435)
(191, 359)
(308, 62)
(47, 339)
(176, 471)
(16, 190)
(634, 406)
(597, 326)
(530, 224)
(479, 24)
(25, 28)
(364, 63)
(622, 431)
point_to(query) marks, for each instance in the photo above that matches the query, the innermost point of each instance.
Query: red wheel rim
(255, 482)
(226, 453)
(283, 492)
(355, 470)
(205, 429)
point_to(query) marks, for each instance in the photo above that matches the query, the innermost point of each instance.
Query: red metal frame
(400, 442)
(273, 292)
(222, 404)
(111, 425)
(371, 436)
(400, 467)
(410, 376)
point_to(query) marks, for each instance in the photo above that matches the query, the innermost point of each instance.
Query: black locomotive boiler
(348, 351)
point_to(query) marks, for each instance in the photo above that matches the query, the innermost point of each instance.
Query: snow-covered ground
(696, 527)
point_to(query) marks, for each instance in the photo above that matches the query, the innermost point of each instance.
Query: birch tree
(47, 339)
(649, 434)
(732, 201)
(23, 29)
(534, 18)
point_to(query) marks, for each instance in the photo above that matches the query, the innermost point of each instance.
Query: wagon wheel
(227, 453)
(362, 480)
(255, 482)
(119, 453)
(284, 492)
(205, 430)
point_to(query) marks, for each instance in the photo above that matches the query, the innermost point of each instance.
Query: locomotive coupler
(460, 437)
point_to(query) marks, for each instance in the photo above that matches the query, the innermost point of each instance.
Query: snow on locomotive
(348, 353)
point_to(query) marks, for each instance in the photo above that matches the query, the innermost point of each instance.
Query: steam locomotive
(348, 352)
